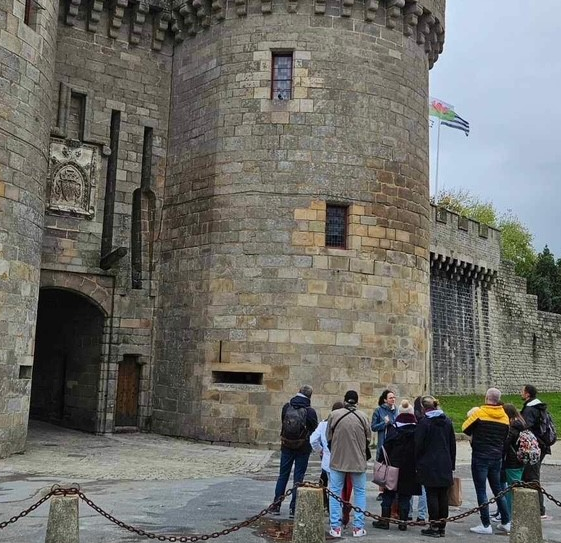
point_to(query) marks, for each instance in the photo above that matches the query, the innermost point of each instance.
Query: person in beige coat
(348, 431)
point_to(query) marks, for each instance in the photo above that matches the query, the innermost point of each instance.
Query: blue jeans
(300, 461)
(483, 470)
(336, 482)
(421, 505)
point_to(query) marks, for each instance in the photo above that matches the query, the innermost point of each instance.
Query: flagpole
(437, 162)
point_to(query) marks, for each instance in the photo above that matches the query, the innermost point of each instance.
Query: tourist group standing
(418, 438)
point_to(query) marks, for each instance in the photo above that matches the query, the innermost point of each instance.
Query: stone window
(30, 13)
(281, 81)
(336, 226)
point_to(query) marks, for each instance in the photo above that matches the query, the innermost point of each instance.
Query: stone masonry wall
(526, 342)
(254, 304)
(114, 60)
(486, 329)
(26, 84)
(465, 258)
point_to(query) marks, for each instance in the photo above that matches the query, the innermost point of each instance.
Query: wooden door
(126, 410)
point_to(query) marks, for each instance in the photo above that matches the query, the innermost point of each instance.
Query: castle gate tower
(295, 237)
(27, 39)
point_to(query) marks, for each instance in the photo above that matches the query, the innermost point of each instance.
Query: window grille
(281, 87)
(336, 226)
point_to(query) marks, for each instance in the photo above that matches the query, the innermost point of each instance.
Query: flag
(448, 117)
(459, 123)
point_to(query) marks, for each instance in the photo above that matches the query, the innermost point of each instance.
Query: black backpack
(548, 434)
(294, 432)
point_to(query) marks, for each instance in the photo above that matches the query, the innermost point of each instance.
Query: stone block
(309, 517)
(63, 523)
(526, 521)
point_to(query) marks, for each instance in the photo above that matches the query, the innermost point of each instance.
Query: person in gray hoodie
(349, 435)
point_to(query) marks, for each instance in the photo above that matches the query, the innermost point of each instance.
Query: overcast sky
(501, 69)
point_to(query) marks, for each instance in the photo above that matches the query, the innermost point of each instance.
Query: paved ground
(173, 486)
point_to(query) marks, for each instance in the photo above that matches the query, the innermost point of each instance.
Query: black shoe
(274, 509)
(381, 524)
(291, 513)
(431, 532)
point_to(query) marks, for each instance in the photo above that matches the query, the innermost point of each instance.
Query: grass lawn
(456, 407)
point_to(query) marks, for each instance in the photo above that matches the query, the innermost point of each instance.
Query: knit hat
(406, 407)
(351, 397)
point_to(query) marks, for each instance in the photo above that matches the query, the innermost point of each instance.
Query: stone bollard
(62, 526)
(309, 526)
(526, 526)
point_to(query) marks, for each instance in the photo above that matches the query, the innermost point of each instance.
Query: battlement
(421, 20)
(463, 247)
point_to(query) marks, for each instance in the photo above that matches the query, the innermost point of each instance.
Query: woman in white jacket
(318, 441)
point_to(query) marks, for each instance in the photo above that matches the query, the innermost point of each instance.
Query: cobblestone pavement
(70, 454)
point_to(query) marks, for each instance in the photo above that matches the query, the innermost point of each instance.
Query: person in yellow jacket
(488, 428)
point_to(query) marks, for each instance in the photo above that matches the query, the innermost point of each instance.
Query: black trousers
(437, 502)
(532, 473)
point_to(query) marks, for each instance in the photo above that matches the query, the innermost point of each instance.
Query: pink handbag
(385, 474)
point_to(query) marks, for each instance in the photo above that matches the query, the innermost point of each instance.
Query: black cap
(351, 396)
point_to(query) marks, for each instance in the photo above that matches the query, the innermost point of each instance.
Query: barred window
(336, 226)
(281, 84)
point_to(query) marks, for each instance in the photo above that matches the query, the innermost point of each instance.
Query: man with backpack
(298, 421)
(540, 423)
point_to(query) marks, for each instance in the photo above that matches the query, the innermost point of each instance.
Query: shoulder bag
(385, 474)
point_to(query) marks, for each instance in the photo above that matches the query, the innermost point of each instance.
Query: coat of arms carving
(72, 178)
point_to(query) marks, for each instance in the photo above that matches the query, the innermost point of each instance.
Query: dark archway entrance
(68, 351)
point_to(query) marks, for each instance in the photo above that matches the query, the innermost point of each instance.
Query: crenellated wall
(486, 329)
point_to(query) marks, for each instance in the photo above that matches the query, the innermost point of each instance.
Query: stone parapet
(422, 21)
(464, 248)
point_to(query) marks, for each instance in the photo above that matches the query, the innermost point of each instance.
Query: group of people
(419, 439)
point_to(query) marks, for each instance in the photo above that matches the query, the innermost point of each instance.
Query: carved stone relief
(72, 179)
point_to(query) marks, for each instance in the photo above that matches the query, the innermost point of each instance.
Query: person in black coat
(400, 448)
(435, 460)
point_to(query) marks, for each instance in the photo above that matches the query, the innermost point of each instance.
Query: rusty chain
(517, 484)
(74, 490)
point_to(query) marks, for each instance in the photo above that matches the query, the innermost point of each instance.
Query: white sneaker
(359, 532)
(504, 527)
(482, 529)
(335, 532)
(495, 519)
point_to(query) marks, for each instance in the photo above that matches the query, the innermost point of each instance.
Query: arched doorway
(68, 352)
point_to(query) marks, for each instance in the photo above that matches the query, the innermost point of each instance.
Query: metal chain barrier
(74, 490)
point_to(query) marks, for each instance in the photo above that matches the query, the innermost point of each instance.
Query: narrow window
(76, 116)
(281, 87)
(29, 13)
(237, 378)
(336, 226)
(110, 185)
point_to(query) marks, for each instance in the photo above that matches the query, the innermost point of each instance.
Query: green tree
(516, 238)
(545, 281)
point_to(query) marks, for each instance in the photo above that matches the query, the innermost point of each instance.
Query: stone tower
(27, 58)
(295, 232)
